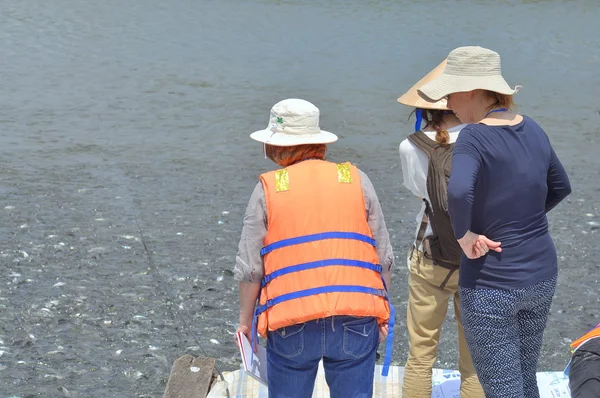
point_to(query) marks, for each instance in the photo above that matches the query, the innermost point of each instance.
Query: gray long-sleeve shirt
(249, 265)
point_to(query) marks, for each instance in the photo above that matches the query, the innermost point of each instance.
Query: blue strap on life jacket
(318, 290)
(317, 264)
(316, 237)
(387, 359)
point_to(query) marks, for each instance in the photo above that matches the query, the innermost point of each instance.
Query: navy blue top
(504, 180)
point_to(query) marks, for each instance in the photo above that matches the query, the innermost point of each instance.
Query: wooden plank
(190, 377)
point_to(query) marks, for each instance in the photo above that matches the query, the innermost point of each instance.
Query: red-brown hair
(288, 155)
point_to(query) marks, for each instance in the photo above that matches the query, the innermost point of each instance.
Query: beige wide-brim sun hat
(294, 122)
(412, 97)
(468, 68)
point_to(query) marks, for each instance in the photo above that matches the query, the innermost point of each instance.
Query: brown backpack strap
(423, 142)
(423, 227)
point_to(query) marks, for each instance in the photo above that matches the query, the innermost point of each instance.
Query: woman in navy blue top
(505, 178)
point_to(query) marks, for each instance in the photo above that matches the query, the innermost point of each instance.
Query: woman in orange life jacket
(433, 261)
(314, 261)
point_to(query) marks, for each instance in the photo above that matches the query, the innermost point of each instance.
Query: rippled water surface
(125, 162)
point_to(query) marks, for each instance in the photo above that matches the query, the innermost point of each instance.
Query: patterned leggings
(504, 330)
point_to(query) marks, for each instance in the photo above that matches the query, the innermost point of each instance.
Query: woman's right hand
(475, 246)
(247, 331)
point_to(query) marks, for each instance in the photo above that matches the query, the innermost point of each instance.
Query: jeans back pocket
(360, 336)
(288, 341)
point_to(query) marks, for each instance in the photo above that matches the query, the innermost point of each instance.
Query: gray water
(124, 127)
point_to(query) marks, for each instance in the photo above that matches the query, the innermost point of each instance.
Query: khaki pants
(427, 307)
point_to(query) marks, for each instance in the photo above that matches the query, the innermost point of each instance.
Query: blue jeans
(346, 344)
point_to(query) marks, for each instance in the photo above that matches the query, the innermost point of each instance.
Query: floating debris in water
(139, 317)
(59, 350)
(100, 219)
(9, 207)
(118, 352)
(21, 362)
(24, 253)
(593, 223)
(57, 377)
(221, 222)
(135, 374)
(214, 341)
(224, 212)
(107, 322)
(15, 275)
(130, 237)
(126, 247)
(153, 348)
(194, 369)
(589, 215)
(179, 233)
(219, 278)
(2, 353)
(59, 284)
(24, 226)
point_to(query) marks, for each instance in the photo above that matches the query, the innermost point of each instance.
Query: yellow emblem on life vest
(344, 174)
(282, 180)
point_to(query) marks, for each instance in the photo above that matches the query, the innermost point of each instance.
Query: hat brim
(450, 84)
(418, 102)
(413, 99)
(281, 139)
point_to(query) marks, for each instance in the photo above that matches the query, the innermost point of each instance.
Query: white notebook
(255, 366)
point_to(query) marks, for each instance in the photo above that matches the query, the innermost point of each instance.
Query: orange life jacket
(319, 256)
(589, 335)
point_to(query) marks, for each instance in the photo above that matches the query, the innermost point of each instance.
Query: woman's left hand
(475, 246)
(384, 329)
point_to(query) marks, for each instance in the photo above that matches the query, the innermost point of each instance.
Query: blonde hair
(288, 155)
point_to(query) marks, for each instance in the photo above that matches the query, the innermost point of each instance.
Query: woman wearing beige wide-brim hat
(435, 255)
(316, 254)
(505, 178)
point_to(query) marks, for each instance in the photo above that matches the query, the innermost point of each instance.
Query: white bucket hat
(412, 98)
(294, 122)
(468, 68)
